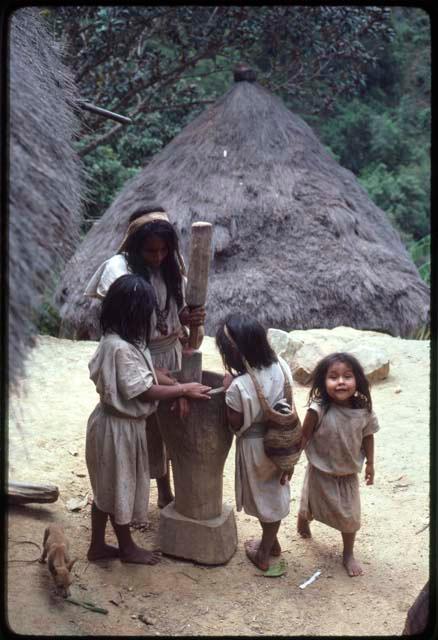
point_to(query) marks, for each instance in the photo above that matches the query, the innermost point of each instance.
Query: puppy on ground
(55, 548)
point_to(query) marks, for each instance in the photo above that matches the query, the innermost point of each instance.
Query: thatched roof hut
(44, 175)
(297, 240)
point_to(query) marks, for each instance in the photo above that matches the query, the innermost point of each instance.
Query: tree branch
(165, 79)
(105, 137)
(181, 105)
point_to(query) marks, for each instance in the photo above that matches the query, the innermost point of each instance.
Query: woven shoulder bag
(282, 440)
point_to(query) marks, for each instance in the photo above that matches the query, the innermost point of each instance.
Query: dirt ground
(182, 598)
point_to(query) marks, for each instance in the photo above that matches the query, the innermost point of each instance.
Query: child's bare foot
(303, 527)
(352, 566)
(252, 550)
(103, 552)
(275, 549)
(137, 555)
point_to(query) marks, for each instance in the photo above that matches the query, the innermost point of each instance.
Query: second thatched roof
(297, 241)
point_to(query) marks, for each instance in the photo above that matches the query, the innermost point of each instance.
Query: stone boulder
(374, 361)
(303, 349)
(307, 357)
(283, 344)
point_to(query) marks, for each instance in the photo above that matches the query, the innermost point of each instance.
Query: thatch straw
(297, 240)
(44, 176)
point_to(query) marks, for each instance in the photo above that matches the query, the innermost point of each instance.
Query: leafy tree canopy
(140, 61)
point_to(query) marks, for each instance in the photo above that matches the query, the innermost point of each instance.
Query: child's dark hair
(127, 309)
(251, 340)
(318, 391)
(134, 247)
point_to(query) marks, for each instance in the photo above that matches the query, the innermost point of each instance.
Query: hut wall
(44, 186)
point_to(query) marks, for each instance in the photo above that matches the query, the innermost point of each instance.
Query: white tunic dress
(330, 491)
(116, 446)
(257, 478)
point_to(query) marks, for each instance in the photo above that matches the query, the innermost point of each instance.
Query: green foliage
(404, 194)
(383, 135)
(161, 65)
(420, 254)
(48, 321)
(106, 176)
(422, 333)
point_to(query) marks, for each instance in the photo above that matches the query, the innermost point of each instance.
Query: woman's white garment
(165, 350)
(335, 453)
(257, 478)
(116, 446)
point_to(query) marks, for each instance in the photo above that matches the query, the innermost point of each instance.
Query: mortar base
(211, 541)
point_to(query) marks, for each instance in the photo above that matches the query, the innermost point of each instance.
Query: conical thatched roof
(298, 242)
(44, 175)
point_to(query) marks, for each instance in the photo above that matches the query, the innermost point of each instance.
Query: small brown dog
(55, 548)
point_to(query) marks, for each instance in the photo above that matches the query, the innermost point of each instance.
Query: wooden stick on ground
(18, 493)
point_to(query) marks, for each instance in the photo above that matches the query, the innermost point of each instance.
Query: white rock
(278, 340)
(318, 343)
(76, 504)
(306, 359)
(348, 333)
(284, 345)
(374, 361)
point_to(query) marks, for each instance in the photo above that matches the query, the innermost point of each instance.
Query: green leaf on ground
(276, 570)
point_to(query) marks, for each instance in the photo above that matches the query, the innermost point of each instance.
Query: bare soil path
(182, 598)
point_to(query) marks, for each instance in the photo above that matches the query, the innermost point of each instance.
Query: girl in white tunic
(150, 249)
(262, 490)
(337, 436)
(116, 446)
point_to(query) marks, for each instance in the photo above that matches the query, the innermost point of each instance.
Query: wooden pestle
(191, 367)
(199, 264)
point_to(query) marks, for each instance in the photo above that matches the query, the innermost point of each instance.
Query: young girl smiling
(338, 435)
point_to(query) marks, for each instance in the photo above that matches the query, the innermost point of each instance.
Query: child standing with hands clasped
(261, 488)
(338, 435)
(129, 388)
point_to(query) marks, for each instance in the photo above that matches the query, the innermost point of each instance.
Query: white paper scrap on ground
(310, 580)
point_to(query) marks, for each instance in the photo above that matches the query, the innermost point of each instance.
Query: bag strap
(268, 411)
(287, 386)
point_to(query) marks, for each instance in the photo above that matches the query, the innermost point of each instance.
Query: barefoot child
(151, 249)
(261, 488)
(116, 446)
(337, 436)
